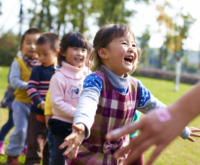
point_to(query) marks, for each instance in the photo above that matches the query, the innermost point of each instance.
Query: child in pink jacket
(65, 89)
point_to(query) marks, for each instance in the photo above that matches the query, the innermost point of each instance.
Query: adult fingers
(193, 129)
(133, 144)
(69, 148)
(117, 133)
(155, 154)
(137, 151)
(191, 139)
(194, 134)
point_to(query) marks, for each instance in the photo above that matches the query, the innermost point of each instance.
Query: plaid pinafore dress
(114, 111)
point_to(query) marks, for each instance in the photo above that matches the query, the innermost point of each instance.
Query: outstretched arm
(153, 131)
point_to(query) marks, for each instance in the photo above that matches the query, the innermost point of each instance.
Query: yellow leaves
(163, 18)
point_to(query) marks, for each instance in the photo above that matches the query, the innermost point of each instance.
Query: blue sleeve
(144, 94)
(146, 100)
(92, 80)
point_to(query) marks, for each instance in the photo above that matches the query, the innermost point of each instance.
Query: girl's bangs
(120, 30)
(76, 40)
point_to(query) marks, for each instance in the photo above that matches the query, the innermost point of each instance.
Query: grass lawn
(180, 152)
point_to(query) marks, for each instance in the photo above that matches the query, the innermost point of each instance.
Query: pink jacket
(65, 89)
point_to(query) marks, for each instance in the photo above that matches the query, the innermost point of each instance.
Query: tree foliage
(144, 44)
(9, 43)
(173, 43)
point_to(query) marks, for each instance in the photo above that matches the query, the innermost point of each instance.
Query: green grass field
(180, 152)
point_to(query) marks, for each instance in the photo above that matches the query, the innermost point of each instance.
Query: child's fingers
(117, 133)
(69, 148)
(156, 152)
(194, 134)
(76, 151)
(63, 145)
(72, 136)
(191, 139)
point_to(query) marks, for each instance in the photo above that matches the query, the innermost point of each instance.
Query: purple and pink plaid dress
(114, 111)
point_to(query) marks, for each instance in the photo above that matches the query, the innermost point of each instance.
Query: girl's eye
(124, 43)
(134, 45)
(75, 48)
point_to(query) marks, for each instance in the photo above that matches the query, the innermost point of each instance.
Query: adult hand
(153, 131)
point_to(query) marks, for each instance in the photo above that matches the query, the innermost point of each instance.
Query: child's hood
(73, 72)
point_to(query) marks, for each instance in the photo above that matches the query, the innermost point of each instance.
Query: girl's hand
(47, 117)
(42, 105)
(193, 129)
(74, 140)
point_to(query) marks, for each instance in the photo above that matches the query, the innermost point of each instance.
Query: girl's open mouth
(129, 59)
(78, 59)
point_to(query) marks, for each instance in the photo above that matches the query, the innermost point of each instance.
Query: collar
(74, 72)
(118, 82)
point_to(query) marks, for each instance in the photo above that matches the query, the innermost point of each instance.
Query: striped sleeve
(33, 88)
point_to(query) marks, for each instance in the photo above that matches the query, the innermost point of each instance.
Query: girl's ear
(102, 53)
(61, 51)
(57, 52)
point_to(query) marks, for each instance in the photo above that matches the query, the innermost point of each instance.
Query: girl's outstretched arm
(155, 131)
(74, 140)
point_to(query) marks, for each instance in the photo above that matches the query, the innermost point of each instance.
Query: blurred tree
(168, 44)
(9, 43)
(175, 36)
(77, 12)
(144, 43)
(181, 33)
(113, 11)
(43, 19)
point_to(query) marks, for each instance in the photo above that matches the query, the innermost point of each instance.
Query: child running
(20, 73)
(38, 85)
(109, 99)
(65, 88)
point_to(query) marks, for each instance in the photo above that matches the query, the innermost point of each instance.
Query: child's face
(75, 56)
(121, 55)
(29, 45)
(47, 56)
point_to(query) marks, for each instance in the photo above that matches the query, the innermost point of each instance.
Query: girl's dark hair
(103, 37)
(30, 31)
(72, 39)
